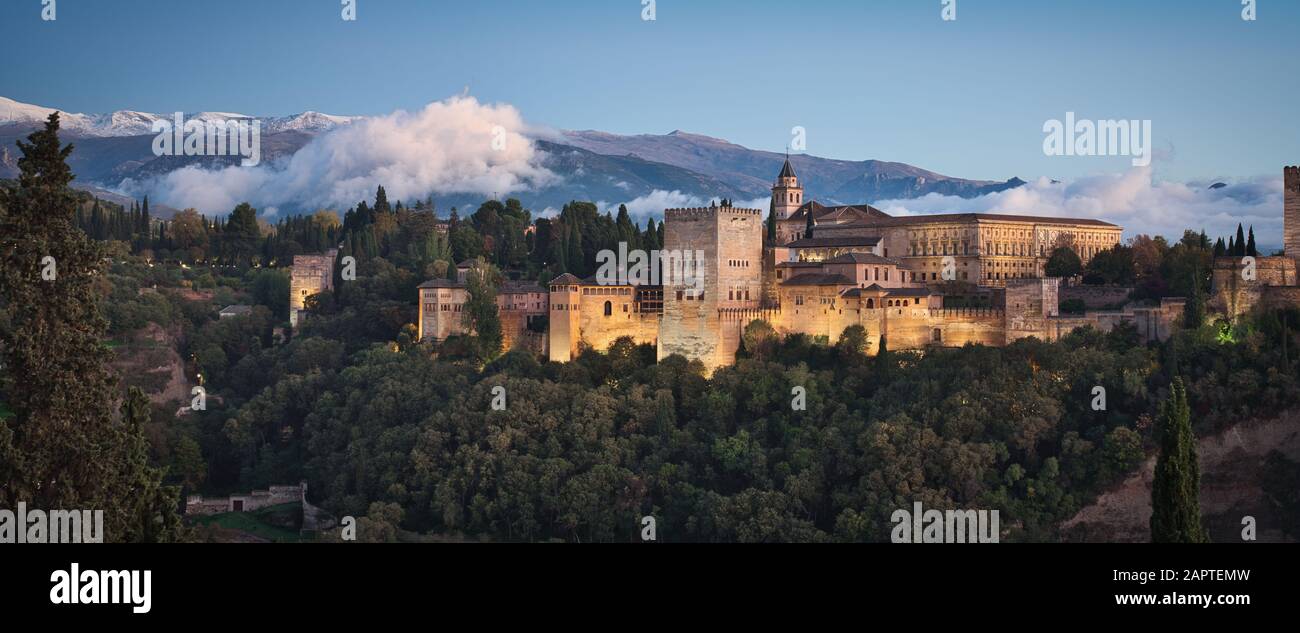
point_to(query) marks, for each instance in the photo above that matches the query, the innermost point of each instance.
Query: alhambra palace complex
(859, 267)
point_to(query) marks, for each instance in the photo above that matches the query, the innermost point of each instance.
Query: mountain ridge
(115, 148)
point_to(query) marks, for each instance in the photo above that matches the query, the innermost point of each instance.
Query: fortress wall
(1096, 297)
(771, 257)
(516, 335)
(1278, 297)
(599, 331)
(907, 328)
(1042, 328)
(959, 326)
(1232, 295)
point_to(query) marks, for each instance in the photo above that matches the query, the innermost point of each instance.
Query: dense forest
(402, 433)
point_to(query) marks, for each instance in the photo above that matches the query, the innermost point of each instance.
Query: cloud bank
(652, 205)
(453, 146)
(1133, 199)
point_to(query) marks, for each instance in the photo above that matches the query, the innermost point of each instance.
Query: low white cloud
(1133, 199)
(454, 146)
(652, 205)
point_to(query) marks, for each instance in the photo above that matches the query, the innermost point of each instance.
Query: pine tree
(62, 447)
(1175, 492)
(381, 201)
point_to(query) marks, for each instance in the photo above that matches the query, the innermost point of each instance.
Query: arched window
(871, 304)
(609, 308)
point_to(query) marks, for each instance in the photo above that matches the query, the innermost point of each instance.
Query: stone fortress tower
(730, 241)
(310, 275)
(1291, 212)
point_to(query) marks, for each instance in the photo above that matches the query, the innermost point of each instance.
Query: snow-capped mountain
(308, 121)
(133, 123)
(116, 148)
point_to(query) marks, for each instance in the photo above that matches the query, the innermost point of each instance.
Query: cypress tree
(771, 222)
(1194, 309)
(1175, 492)
(1250, 243)
(63, 447)
(1240, 250)
(809, 225)
(1219, 248)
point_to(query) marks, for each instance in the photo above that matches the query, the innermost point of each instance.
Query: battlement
(708, 212)
(745, 315)
(967, 313)
(1262, 262)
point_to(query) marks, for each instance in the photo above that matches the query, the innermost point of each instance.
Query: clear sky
(884, 79)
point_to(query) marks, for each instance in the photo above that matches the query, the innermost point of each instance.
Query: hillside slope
(1231, 473)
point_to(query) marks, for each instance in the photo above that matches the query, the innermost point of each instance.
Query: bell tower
(787, 195)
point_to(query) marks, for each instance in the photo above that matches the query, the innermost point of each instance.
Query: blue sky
(884, 79)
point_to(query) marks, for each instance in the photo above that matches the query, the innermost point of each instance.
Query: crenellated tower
(722, 248)
(1291, 213)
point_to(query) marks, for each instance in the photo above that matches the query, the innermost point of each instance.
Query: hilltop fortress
(911, 282)
(1242, 284)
